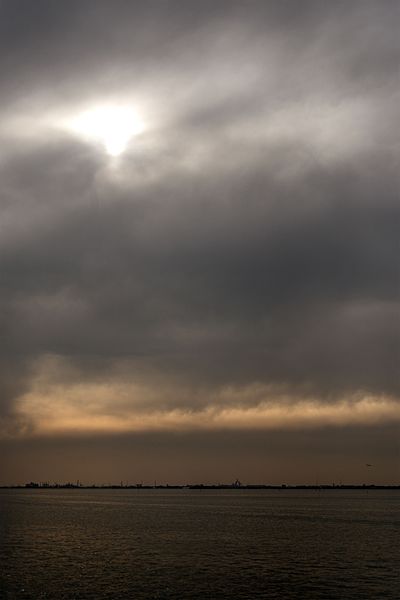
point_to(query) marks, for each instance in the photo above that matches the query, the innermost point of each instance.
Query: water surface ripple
(199, 544)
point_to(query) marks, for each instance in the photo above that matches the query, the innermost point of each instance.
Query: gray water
(139, 544)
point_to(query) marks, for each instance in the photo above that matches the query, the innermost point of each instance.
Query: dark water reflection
(139, 544)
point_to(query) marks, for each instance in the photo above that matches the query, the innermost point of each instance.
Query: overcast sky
(221, 299)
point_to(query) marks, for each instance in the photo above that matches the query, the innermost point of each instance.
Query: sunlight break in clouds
(112, 126)
(107, 409)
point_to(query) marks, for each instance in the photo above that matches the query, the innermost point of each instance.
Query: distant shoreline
(71, 486)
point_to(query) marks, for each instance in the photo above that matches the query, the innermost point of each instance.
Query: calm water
(72, 544)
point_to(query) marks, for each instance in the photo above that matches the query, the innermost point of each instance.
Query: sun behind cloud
(111, 126)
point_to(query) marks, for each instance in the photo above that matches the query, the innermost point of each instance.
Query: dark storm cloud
(250, 236)
(46, 45)
(274, 289)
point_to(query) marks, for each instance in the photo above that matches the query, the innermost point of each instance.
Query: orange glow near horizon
(89, 409)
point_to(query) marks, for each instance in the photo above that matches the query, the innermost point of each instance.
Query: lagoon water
(199, 544)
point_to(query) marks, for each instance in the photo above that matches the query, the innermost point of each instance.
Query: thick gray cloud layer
(249, 235)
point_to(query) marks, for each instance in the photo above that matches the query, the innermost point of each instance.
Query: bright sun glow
(113, 127)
